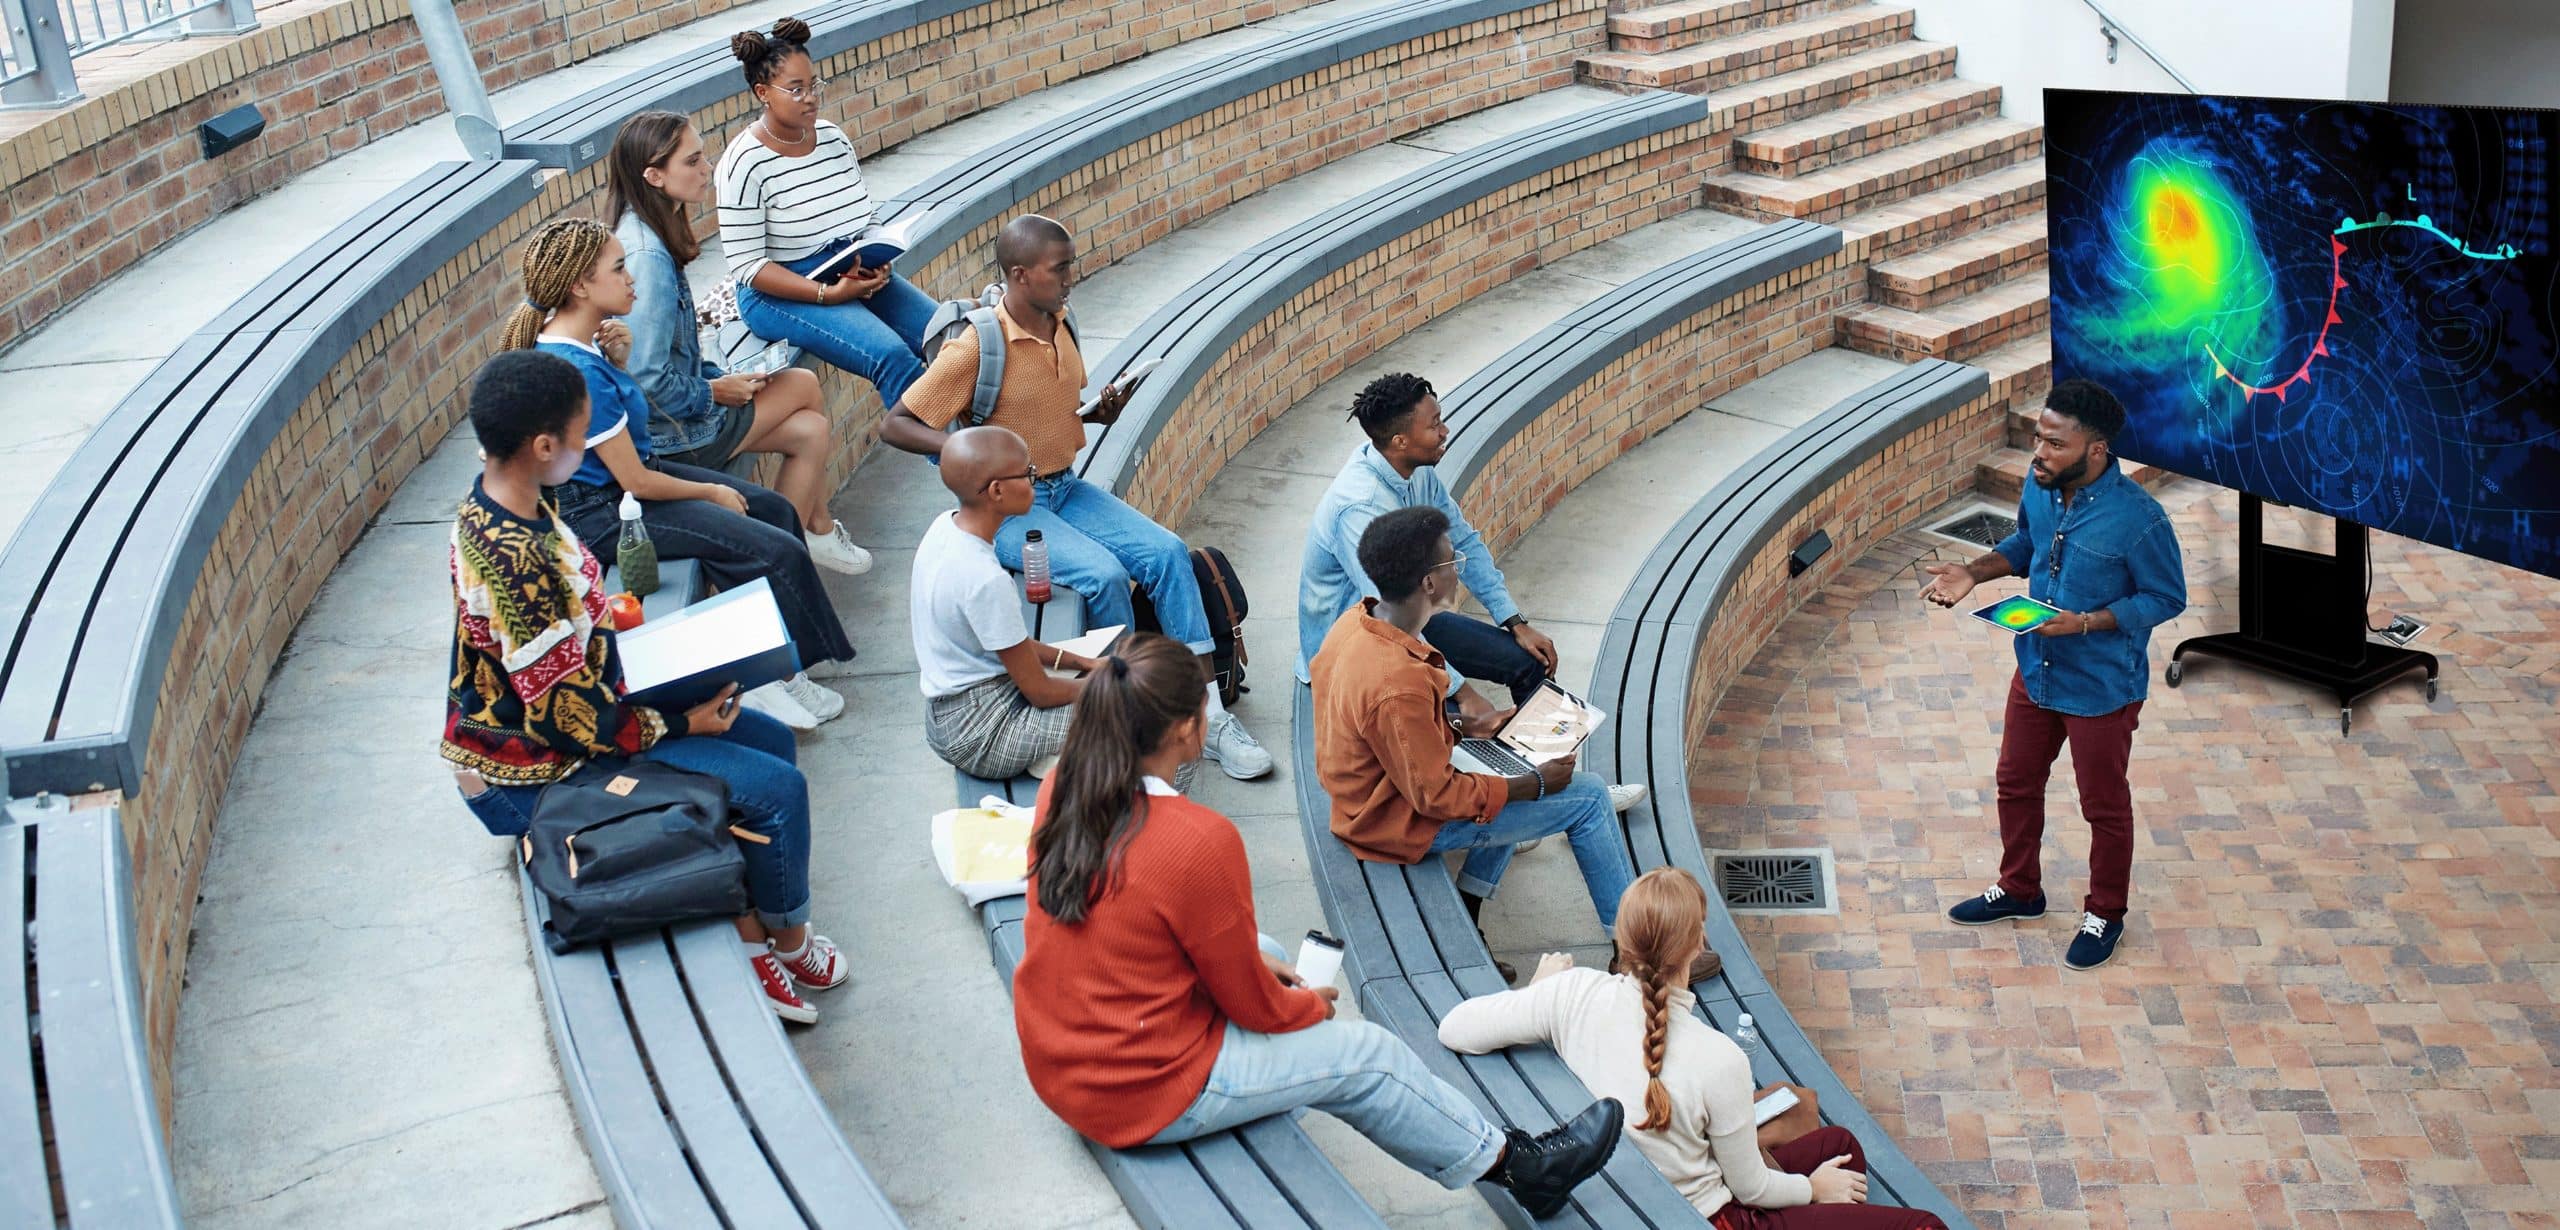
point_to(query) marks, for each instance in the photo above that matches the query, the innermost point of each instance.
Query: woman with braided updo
(574, 286)
(1635, 1034)
(791, 197)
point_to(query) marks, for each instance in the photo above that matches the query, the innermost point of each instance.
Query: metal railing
(2112, 30)
(39, 39)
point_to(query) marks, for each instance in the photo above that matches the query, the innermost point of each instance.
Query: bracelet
(1057, 658)
(1541, 779)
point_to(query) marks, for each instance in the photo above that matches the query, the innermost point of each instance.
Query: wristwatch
(1514, 622)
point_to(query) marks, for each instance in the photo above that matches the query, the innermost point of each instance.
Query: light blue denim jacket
(1330, 580)
(2115, 550)
(666, 347)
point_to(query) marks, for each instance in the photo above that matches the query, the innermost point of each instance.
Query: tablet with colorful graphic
(2016, 614)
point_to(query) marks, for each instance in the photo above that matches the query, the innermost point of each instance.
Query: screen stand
(2302, 616)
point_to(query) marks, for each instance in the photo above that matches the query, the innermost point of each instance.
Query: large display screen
(2341, 306)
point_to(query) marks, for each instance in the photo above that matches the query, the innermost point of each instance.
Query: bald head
(976, 456)
(1024, 242)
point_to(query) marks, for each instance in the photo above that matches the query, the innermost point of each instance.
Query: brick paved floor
(2335, 1006)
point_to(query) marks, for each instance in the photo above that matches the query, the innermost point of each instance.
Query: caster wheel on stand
(2346, 721)
(2431, 691)
(2176, 672)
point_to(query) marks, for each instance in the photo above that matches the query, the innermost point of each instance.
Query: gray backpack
(980, 314)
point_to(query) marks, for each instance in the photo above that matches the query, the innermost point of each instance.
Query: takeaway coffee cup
(1319, 959)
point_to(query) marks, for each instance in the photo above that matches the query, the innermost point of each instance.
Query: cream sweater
(1711, 1151)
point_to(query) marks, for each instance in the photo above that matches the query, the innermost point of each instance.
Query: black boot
(1475, 914)
(1543, 1170)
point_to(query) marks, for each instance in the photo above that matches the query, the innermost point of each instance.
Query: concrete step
(1809, 92)
(1961, 208)
(2003, 476)
(1891, 175)
(1869, 126)
(2021, 372)
(1669, 27)
(1753, 54)
(1961, 266)
(1958, 329)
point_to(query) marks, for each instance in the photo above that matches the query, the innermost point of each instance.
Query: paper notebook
(677, 661)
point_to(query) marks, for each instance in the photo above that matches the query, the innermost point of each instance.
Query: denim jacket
(1330, 581)
(666, 348)
(2113, 549)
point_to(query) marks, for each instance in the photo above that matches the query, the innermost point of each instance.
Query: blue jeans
(1355, 1072)
(1097, 544)
(767, 797)
(1580, 811)
(1479, 650)
(880, 339)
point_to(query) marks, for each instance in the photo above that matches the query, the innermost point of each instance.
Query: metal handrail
(2111, 30)
(40, 38)
(110, 22)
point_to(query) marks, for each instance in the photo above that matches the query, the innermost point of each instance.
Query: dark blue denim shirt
(2113, 549)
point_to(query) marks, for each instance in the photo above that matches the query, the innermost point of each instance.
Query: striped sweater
(776, 207)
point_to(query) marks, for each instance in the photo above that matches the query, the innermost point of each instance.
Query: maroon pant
(2100, 746)
(1804, 1155)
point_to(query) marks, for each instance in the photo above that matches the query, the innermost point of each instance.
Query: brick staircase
(1841, 115)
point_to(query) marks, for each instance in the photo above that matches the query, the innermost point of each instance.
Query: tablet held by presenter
(2096, 550)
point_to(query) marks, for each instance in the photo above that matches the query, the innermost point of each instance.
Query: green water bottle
(638, 557)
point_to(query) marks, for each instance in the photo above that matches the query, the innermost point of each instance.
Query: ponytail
(1097, 794)
(1661, 924)
(560, 256)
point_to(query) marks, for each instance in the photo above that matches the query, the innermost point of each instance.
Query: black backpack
(622, 846)
(1222, 597)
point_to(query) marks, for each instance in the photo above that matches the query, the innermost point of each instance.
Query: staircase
(1841, 115)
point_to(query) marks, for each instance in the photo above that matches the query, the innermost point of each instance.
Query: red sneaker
(779, 994)
(819, 966)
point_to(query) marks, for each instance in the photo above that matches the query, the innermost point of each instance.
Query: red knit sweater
(1121, 1015)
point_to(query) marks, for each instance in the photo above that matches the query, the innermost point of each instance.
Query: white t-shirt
(963, 607)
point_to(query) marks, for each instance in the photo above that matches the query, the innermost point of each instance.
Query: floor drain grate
(1777, 882)
(1983, 527)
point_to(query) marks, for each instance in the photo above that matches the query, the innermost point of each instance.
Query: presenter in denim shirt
(2096, 545)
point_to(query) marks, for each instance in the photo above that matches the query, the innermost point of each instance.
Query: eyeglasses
(2056, 570)
(1030, 474)
(803, 93)
(1455, 558)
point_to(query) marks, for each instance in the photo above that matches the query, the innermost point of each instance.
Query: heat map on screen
(2343, 306)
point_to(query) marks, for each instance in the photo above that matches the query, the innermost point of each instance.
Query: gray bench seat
(694, 1106)
(80, 1141)
(94, 585)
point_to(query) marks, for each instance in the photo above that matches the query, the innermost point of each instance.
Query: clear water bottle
(1035, 568)
(1747, 1036)
(637, 558)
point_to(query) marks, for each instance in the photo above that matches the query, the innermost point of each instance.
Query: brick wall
(392, 398)
(1420, 275)
(1735, 341)
(92, 190)
(1883, 496)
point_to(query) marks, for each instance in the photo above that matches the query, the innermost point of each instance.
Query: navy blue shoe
(2096, 943)
(1996, 906)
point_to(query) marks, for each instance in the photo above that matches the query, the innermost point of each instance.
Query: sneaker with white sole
(819, 966)
(823, 703)
(1625, 796)
(775, 701)
(836, 553)
(779, 994)
(1234, 748)
(2096, 943)
(1995, 905)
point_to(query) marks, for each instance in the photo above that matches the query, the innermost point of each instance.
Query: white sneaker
(776, 702)
(1625, 796)
(1233, 747)
(836, 553)
(824, 704)
(1526, 846)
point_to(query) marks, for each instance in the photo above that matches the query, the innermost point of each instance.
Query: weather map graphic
(2349, 307)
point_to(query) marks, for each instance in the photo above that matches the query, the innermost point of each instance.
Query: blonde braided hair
(1662, 921)
(561, 254)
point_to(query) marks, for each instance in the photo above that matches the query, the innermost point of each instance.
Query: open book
(878, 246)
(1092, 644)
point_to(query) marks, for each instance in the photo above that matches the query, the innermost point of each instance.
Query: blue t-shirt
(615, 404)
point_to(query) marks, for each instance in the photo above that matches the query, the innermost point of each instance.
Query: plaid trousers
(990, 730)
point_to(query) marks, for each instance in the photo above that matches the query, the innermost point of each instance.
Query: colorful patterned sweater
(536, 686)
